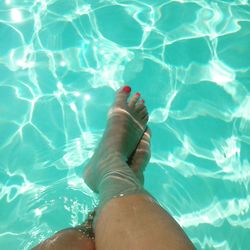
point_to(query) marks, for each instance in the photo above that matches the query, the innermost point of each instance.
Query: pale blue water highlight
(60, 63)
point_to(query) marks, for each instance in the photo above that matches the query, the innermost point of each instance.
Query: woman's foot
(126, 126)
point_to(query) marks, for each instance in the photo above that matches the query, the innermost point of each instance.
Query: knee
(67, 239)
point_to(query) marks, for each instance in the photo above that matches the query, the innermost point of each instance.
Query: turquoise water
(60, 64)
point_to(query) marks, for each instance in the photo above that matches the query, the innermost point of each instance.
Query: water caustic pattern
(60, 62)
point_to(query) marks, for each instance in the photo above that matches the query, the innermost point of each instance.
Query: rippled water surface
(60, 64)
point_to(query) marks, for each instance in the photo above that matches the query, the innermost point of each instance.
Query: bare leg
(134, 220)
(67, 239)
(78, 238)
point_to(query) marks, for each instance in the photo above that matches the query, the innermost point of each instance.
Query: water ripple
(60, 62)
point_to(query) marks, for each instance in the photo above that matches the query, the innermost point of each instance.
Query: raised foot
(126, 125)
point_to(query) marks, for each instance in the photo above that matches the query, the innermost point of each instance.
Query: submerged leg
(72, 238)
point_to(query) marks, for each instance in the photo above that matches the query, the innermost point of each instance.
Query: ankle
(118, 182)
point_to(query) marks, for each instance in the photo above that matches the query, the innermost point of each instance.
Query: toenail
(142, 101)
(127, 89)
(138, 94)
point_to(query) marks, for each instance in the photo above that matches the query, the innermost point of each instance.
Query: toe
(139, 107)
(134, 100)
(122, 94)
(143, 113)
(145, 118)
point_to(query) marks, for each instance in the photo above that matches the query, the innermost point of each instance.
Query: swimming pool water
(60, 64)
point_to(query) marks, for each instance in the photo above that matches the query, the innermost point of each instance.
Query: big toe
(122, 95)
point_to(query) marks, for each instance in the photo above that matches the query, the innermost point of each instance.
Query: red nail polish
(127, 89)
(142, 101)
(138, 94)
